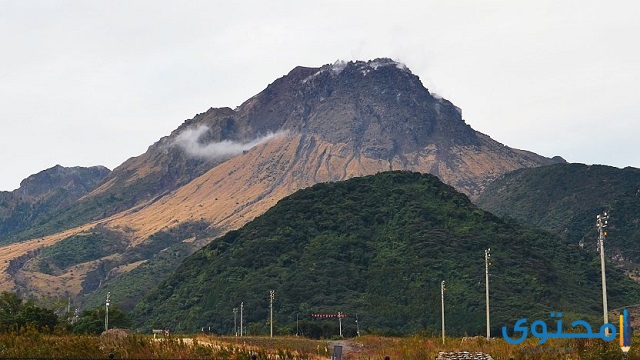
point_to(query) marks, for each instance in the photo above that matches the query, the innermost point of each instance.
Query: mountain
(379, 246)
(565, 199)
(224, 167)
(43, 194)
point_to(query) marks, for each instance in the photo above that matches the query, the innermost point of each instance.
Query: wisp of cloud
(188, 140)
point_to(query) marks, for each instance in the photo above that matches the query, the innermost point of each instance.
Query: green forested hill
(565, 199)
(378, 247)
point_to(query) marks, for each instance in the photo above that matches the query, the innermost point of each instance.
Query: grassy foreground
(428, 348)
(136, 346)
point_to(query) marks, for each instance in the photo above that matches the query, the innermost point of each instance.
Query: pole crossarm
(328, 316)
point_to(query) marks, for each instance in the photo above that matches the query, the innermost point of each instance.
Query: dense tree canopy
(378, 247)
(15, 314)
(93, 321)
(565, 199)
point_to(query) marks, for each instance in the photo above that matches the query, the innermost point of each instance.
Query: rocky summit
(380, 112)
(224, 167)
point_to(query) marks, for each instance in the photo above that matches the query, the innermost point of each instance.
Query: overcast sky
(95, 82)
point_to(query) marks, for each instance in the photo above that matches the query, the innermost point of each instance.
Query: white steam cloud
(189, 141)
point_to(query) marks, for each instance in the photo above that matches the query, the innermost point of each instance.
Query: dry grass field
(31, 344)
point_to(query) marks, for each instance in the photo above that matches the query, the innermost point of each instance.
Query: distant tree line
(17, 314)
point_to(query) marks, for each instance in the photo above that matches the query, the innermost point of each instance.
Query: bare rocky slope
(226, 166)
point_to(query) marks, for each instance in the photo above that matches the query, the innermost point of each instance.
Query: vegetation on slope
(80, 248)
(101, 259)
(378, 247)
(565, 199)
(161, 253)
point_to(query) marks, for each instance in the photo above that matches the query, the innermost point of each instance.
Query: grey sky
(96, 82)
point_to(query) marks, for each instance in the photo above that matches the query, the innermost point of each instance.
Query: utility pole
(357, 326)
(241, 308)
(442, 301)
(340, 322)
(601, 224)
(272, 294)
(235, 323)
(106, 313)
(487, 255)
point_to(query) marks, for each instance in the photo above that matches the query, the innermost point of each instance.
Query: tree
(40, 317)
(10, 305)
(15, 314)
(92, 321)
